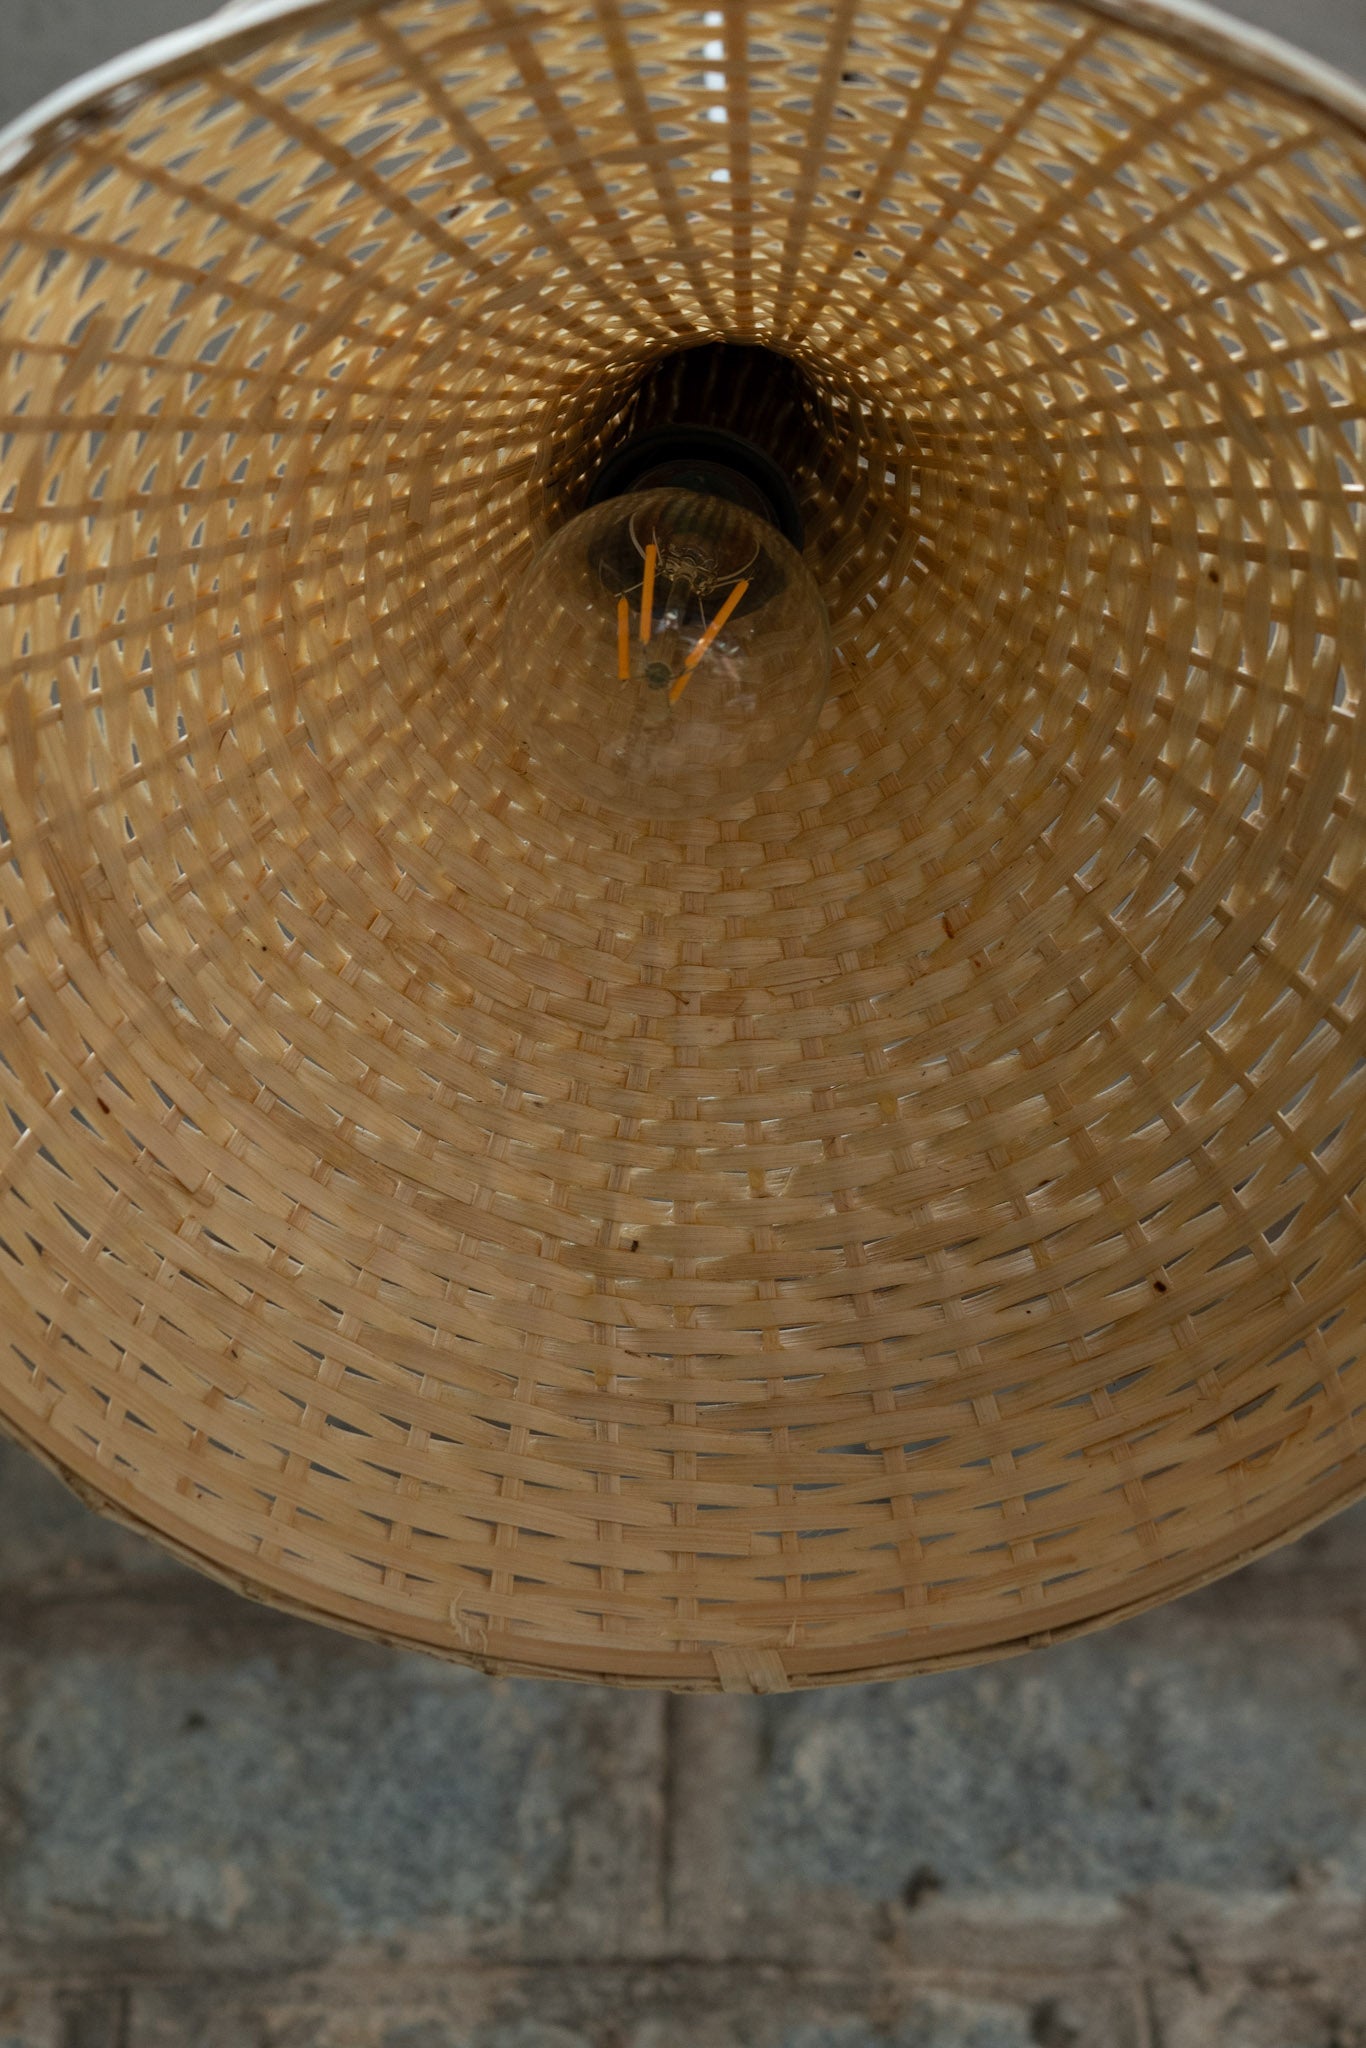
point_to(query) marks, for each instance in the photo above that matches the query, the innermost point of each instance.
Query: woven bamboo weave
(915, 1215)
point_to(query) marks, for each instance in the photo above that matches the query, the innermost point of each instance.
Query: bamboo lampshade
(915, 1214)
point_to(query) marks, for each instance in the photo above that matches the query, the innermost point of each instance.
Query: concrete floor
(223, 1829)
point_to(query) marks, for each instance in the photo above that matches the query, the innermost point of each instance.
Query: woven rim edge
(1265, 1535)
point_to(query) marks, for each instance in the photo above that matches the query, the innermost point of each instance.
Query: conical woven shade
(912, 1216)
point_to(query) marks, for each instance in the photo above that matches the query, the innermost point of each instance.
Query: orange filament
(647, 595)
(680, 683)
(623, 641)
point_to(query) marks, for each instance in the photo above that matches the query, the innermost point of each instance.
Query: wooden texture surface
(913, 1216)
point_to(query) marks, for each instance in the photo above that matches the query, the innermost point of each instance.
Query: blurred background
(220, 1828)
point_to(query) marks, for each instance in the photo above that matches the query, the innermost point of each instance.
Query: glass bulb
(666, 655)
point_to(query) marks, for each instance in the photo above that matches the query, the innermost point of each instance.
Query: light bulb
(666, 655)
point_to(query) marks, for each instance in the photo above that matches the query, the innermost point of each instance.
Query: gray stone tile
(678, 2006)
(28, 2018)
(281, 1798)
(495, 2034)
(174, 2018)
(928, 2017)
(1168, 1751)
(934, 2020)
(93, 2017)
(357, 2015)
(1313, 2012)
(945, 2021)
(377, 2010)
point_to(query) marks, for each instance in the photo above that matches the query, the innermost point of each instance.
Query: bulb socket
(710, 460)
